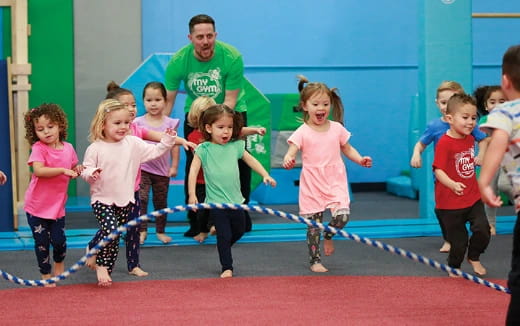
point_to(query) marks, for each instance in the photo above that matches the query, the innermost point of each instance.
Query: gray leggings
(338, 221)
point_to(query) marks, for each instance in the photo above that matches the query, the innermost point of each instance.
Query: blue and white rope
(374, 243)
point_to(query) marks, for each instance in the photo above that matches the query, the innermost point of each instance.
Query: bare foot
(227, 273)
(104, 279)
(59, 268)
(492, 230)
(477, 267)
(200, 237)
(137, 271)
(450, 274)
(142, 236)
(328, 247)
(318, 268)
(91, 261)
(446, 246)
(212, 230)
(163, 238)
(46, 277)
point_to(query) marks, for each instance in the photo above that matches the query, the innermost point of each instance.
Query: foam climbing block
(401, 186)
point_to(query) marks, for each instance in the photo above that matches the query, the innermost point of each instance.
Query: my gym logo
(464, 163)
(205, 83)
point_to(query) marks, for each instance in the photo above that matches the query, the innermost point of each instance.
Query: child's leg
(454, 221)
(160, 185)
(491, 212)
(224, 238)
(479, 238)
(446, 245)
(513, 313)
(40, 229)
(339, 220)
(59, 244)
(313, 243)
(132, 241)
(144, 192)
(191, 215)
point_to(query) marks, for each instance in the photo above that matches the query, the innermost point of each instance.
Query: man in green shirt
(211, 68)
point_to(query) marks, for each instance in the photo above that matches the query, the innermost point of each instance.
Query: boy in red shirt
(457, 196)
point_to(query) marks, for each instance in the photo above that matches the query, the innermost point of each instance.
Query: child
(111, 166)
(457, 199)
(219, 155)
(156, 173)
(503, 123)
(3, 178)
(54, 163)
(199, 105)
(323, 180)
(492, 97)
(132, 239)
(436, 129)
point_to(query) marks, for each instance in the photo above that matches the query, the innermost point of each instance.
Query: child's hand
(192, 200)
(79, 168)
(269, 180)
(416, 161)
(71, 173)
(261, 131)
(170, 132)
(188, 145)
(96, 174)
(458, 188)
(288, 162)
(478, 160)
(366, 162)
(3, 178)
(489, 197)
(172, 172)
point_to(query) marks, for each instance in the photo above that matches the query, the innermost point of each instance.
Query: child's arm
(192, 179)
(246, 131)
(257, 167)
(456, 187)
(42, 171)
(175, 152)
(416, 161)
(3, 178)
(289, 160)
(353, 155)
(156, 136)
(482, 146)
(494, 153)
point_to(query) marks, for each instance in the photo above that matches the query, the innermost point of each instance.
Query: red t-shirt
(455, 156)
(197, 137)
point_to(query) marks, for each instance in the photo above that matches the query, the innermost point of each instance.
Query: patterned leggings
(159, 185)
(45, 233)
(110, 217)
(339, 219)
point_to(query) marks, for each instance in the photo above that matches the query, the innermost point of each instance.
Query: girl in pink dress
(54, 162)
(323, 180)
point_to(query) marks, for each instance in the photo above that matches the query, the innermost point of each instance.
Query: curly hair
(51, 111)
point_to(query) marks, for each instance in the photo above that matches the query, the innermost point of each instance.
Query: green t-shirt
(220, 166)
(225, 71)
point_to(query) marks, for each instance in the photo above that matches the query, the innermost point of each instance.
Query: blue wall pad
(285, 192)
(401, 186)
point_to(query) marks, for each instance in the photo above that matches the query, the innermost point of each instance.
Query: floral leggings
(339, 219)
(110, 217)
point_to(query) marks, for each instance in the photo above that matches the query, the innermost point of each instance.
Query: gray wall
(107, 45)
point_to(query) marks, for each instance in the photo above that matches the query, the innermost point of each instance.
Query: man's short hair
(200, 19)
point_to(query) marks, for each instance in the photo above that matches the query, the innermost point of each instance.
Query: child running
(111, 165)
(323, 180)
(155, 174)
(457, 198)
(436, 129)
(204, 223)
(54, 162)
(218, 156)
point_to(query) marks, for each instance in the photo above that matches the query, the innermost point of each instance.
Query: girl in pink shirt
(111, 165)
(54, 163)
(323, 180)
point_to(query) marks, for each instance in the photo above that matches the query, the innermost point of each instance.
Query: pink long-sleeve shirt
(119, 164)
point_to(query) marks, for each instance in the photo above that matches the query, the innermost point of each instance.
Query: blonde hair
(449, 85)
(98, 122)
(199, 105)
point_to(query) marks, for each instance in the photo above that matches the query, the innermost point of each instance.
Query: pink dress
(323, 180)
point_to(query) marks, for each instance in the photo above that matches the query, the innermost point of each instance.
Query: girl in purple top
(156, 174)
(54, 162)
